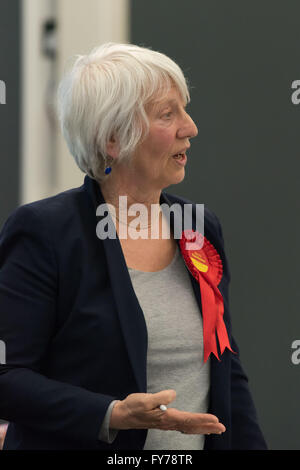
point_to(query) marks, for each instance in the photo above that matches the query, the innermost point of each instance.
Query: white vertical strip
(82, 26)
(37, 135)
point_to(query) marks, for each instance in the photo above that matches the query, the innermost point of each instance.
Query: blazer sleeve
(28, 292)
(245, 431)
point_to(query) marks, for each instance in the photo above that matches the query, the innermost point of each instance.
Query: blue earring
(107, 170)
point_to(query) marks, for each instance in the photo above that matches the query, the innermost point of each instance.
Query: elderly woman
(120, 342)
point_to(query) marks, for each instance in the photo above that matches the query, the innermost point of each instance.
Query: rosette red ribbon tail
(213, 322)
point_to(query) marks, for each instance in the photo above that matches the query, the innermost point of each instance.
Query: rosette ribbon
(205, 265)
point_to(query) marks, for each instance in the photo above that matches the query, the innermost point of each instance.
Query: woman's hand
(141, 411)
(3, 429)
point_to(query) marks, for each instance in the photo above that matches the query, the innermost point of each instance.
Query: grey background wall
(10, 23)
(241, 58)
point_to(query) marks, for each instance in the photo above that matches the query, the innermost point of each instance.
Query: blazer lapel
(130, 313)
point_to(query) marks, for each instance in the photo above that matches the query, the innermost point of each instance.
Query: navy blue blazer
(76, 336)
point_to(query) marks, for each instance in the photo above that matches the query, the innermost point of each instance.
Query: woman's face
(154, 161)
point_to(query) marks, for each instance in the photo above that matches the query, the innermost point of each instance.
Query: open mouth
(179, 156)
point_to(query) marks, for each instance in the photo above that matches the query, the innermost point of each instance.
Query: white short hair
(104, 96)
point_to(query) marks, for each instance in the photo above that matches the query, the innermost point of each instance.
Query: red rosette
(205, 265)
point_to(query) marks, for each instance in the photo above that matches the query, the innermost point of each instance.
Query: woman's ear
(113, 148)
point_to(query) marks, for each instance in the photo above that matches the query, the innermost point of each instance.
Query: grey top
(175, 350)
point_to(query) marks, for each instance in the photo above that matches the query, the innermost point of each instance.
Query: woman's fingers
(190, 423)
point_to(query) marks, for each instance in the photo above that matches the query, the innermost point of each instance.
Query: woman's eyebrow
(171, 102)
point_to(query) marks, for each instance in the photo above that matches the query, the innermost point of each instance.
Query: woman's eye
(167, 115)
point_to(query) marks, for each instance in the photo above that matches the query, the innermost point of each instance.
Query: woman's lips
(182, 160)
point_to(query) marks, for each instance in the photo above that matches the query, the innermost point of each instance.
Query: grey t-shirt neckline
(169, 266)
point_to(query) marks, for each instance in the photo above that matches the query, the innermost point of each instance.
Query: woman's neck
(116, 186)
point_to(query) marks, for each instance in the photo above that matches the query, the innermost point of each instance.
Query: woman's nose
(188, 129)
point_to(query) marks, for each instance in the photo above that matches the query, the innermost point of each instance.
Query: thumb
(163, 398)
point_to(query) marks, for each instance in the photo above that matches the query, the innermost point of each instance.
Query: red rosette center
(201, 257)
